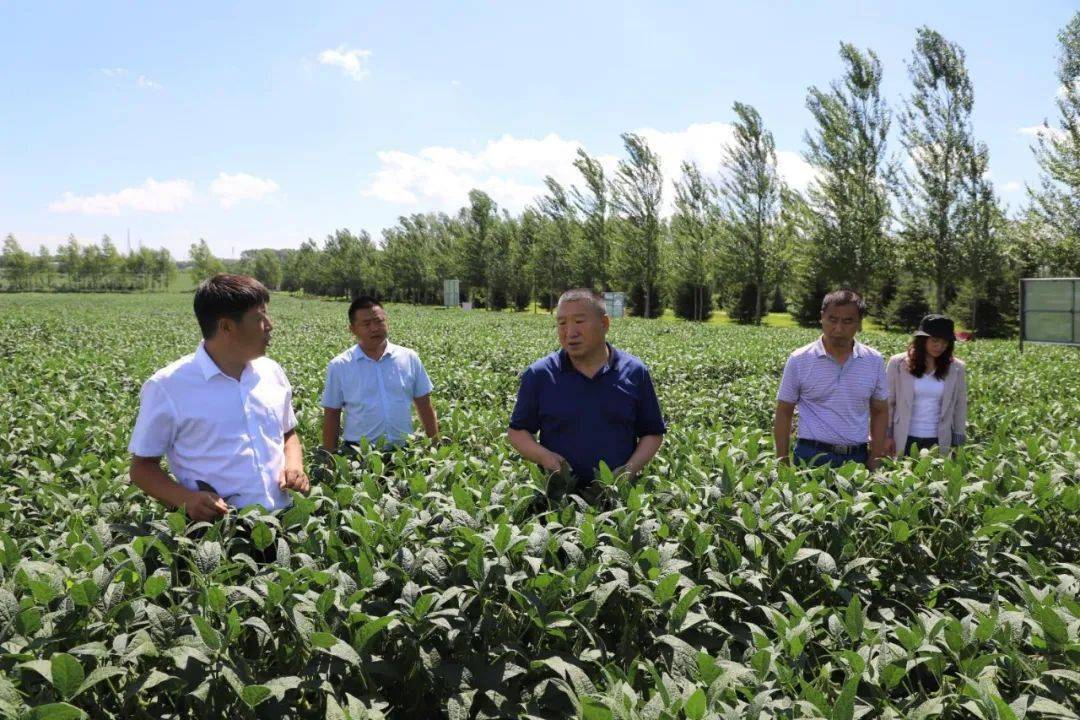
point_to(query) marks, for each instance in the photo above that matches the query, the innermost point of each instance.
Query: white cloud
(147, 84)
(703, 143)
(1042, 131)
(512, 170)
(353, 62)
(233, 189)
(1012, 186)
(509, 169)
(152, 196)
(795, 171)
(455, 83)
(706, 144)
(142, 81)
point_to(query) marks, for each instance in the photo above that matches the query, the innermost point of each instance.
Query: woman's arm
(893, 373)
(959, 423)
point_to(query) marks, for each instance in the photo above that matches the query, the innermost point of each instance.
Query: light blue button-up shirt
(376, 395)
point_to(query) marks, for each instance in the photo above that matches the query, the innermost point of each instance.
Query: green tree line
(76, 267)
(915, 228)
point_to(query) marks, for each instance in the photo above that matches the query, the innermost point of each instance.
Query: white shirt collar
(210, 368)
(206, 363)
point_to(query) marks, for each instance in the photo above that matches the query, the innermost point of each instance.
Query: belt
(834, 449)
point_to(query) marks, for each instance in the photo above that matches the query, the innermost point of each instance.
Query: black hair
(916, 358)
(226, 296)
(364, 302)
(844, 296)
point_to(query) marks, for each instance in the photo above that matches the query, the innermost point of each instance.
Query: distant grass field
(182, 283)
(719, 317)
(776, 320)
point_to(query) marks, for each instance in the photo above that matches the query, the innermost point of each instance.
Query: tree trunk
(974, 314)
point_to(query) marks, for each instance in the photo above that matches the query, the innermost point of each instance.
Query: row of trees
(76, 267)
(262, 264)
(914, 229)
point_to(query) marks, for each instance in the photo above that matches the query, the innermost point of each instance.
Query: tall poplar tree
(593, 256)
(848, 198)
(694, 226)
(554, 245)
(1056, 202)
(750, 193)
(636, 195)
(936, 132)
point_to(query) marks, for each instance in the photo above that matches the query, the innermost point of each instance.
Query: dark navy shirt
(587, 420)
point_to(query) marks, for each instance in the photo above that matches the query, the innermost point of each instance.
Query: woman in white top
(927, 391)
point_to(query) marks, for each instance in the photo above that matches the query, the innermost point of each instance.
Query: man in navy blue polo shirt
(589, 401)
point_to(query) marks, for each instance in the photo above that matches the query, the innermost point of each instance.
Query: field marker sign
(1050, 311)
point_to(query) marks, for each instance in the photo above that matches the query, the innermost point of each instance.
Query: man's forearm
(879, 420)
(430, 422)
(526, 445)
(294, 451)
(646, 449)
(782, 432)
(428, 419)
(149, 477)
(330, 429)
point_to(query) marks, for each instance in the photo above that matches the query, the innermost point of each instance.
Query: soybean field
(719, 584)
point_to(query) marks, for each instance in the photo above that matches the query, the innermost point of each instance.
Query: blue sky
(262, 124)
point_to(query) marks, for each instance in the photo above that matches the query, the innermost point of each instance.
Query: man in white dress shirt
(376, 383)
(223, 415)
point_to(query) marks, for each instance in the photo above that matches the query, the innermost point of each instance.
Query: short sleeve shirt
(215, 429)
(833, 400)
(587, 420)
(376, 395)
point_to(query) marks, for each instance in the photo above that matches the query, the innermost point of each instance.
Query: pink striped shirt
(833, 400)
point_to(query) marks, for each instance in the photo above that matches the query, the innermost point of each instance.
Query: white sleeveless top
(926, 410)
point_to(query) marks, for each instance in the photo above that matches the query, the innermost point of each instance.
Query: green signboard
(451, 290)
(1050, 311)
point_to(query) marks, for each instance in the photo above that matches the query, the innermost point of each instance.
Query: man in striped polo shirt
(839, 387)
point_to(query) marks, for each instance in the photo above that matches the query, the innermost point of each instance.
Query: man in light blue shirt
(376, 383)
